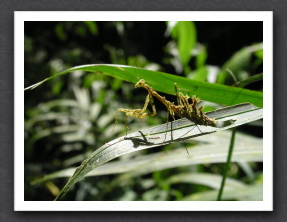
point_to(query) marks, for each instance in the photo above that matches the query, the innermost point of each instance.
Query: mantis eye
(140, 83)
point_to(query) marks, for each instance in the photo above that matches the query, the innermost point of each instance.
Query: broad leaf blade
(206, 179)
(247, 193)
(210, 149)
(178, 130)
(163, 82)
(185, 34)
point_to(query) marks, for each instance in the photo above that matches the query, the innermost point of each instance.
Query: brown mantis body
(183, 109)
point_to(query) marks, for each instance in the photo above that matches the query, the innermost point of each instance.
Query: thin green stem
(227, 164)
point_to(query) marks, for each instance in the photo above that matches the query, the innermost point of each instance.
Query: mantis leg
(138, 113)
(148, 100)
(178, 96)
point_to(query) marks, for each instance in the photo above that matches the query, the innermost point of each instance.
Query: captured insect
(183, 109)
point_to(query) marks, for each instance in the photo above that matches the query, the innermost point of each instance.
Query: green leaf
(247, 193)
(259, 54)
(206, 179)
(201, 56)
(59, 29)
(249, 80)
(201, 74)
(185, 34)
(210, 149)
(163, 82)
(175, 131)
(238, 62)
(92, 26)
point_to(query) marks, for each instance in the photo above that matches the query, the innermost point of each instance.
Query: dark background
(76, 43)
(221, 39)
(6, 114)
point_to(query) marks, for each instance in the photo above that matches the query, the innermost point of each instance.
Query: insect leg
(151, 101)
(147, 101)
(138, 113)
(198, 128)
(116, 120)
(142, 114)
(127, 126)
(167, 115)
(185, 147)
(178, 96)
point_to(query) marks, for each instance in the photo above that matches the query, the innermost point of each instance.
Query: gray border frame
(6, 113)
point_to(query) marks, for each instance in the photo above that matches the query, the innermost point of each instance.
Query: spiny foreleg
(138, 113)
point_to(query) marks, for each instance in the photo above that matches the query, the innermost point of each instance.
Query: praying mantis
(183, 109)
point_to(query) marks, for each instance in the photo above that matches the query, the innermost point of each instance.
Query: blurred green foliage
(72, 115)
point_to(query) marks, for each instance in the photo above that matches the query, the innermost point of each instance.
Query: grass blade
(178, 130)
(227, 164)
(163, 82)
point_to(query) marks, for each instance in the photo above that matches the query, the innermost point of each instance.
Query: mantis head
(140, 83)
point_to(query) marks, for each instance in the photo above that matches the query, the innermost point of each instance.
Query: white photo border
(21, 17)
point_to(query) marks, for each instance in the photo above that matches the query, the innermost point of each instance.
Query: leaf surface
(175, 131)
